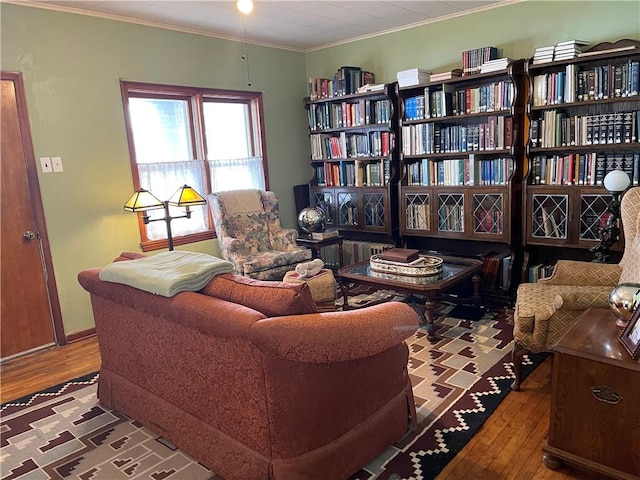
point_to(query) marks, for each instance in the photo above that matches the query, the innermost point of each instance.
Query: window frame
(195, 98)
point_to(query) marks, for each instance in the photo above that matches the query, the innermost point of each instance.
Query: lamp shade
(616, 181)
(142, 200)
(245, 6)
(186, 196)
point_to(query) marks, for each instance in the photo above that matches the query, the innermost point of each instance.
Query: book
(437, 77)
(325, 235)
(402, 255)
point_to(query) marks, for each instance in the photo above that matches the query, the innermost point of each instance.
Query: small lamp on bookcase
(616, 182)
(142, 201)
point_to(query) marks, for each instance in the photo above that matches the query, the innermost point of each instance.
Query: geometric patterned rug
(63, 432)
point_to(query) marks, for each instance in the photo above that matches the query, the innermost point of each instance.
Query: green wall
(72, 65)
(514, 29)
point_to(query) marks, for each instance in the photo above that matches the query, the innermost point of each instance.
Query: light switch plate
(45, 163)
(57, 164)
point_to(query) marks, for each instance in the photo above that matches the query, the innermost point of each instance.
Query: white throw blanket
(167, 273)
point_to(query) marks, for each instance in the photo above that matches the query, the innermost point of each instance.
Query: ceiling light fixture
(245, 6)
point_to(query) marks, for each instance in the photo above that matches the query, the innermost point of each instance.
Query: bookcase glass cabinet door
(375, 212)
(549, 216)
(451, 212)
(324, 199)
(348, 211)
(593, 215)
(488, 213)
(417, 209)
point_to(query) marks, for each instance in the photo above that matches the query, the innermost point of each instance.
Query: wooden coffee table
(454, 271)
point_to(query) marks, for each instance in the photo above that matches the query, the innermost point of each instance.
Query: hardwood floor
(507, 447)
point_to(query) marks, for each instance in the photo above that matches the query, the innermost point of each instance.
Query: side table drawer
(595, 412)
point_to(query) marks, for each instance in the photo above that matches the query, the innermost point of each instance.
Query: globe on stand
(622, 300)
(312, 220)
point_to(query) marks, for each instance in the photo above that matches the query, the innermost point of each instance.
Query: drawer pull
(606, 394)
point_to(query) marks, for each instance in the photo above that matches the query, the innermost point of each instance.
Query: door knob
(29, 235)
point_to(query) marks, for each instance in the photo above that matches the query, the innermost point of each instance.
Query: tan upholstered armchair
(247, 224)
(545, 310)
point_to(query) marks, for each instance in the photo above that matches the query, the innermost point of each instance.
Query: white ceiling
(289, 24)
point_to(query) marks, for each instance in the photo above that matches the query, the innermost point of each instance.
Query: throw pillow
(273, 299)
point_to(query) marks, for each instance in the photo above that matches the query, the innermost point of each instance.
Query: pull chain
(245, 50)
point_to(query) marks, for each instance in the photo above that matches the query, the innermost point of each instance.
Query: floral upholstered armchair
(247, 224)
(545, 310)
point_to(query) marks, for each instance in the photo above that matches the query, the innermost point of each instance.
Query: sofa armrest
(571, 272)
(592, 297)
(210, 315)
(335, 336)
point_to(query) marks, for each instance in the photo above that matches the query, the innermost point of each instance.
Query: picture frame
(630, 336)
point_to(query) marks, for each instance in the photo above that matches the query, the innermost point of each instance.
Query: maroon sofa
(255, 395)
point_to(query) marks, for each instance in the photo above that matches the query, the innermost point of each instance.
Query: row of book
(446, 100)
(428, 138)
(556, 129)
(458, 172)
(358, 173)
(346, 81)
(565, 50)
(417, 216)
(549, 223)
(451, 217)
(473, 59)
(583, 168)
(538, 271)
(487, 220)
(597, 83)
(351, 145)
(496, 269)
(325, 116)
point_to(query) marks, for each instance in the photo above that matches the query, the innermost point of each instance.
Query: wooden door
(30, 313)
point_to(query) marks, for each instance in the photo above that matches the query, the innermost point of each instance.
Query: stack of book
(472, 60)
(495, 65)
(413, 76)
(439, 77)
(543, 54)
(568, 49)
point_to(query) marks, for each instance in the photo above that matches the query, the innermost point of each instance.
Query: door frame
(36, 204)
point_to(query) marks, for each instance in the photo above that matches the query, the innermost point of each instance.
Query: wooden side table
(595, 400)
(317, 245)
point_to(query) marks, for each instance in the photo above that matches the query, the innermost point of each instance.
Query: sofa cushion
(273, 299)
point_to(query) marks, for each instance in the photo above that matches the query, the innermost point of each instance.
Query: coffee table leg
(430, 305)
(345, 295)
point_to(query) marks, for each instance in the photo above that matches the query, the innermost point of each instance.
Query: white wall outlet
(57, 164)
(45, 164)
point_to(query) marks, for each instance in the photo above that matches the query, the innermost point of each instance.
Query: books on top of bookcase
(413, 76)
(473, 59)
(495, 65)
(568, 49)
(439, 77)
(543, 54)
(564, 50)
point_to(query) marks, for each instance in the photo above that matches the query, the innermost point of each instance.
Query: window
(209, 139)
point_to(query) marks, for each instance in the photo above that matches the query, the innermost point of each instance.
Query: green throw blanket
(167, 273)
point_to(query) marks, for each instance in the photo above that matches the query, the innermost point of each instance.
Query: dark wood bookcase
(461, 155)
(355, 161)
(584, 115)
